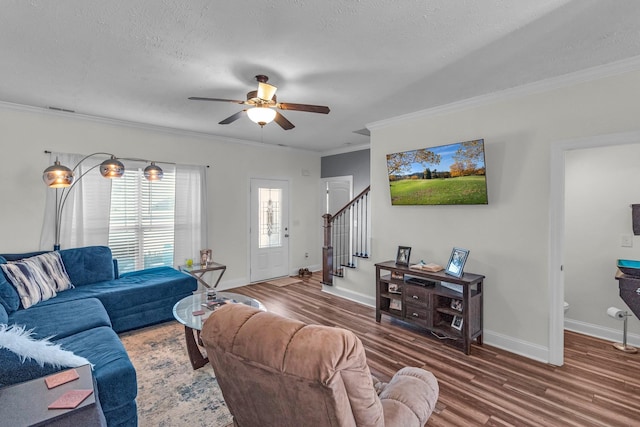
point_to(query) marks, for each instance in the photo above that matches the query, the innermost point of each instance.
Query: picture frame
(456, 323)
(456, 304)
(395, 304)
(455, 266)
(394, 288)
(402, 258)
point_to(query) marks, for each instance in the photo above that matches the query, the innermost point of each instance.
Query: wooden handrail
(352, 202)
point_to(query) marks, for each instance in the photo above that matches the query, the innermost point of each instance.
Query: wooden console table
(449, 307)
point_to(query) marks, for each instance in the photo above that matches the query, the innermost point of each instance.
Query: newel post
(327, 252)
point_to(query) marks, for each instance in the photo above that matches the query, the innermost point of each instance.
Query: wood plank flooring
(597, 386)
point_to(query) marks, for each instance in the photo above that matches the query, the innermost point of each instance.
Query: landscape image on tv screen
(451, 174)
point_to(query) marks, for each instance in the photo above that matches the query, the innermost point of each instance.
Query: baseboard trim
(613, 335)
(227, 285)
(350, 295)
(514, 345)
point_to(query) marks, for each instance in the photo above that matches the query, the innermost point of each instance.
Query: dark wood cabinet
(448, 307)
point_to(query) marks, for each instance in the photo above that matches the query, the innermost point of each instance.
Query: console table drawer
(416, 295)
(418, 314)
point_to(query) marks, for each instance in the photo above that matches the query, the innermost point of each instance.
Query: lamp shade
(57, 176)
(153, 172)
(112, 168)
(261, 115)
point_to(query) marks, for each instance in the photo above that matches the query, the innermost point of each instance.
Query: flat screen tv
(451, 174)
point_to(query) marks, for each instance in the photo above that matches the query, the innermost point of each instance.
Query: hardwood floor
(597, 386)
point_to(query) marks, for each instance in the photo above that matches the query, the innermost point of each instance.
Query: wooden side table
(25, 404)
(198, 271)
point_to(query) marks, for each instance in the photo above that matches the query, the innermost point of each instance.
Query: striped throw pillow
(37, 278)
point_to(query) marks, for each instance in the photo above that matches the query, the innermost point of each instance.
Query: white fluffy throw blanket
(19, 341)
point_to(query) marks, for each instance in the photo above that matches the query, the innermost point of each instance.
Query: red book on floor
(70, 399)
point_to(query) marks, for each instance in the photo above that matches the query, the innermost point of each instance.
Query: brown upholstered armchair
(275, 371)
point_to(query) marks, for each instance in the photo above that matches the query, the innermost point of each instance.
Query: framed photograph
(403, 255)
(458, 258)
(456, 323)
(395, 304)
(394, 289)
(397, 275)
(456, 304)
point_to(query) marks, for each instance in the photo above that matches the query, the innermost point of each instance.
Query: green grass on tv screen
(464, 190)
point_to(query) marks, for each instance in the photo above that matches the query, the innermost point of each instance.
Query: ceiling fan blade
(266, 91)
(232, 118)
(303, 107)
(197, 98)
(283, 122)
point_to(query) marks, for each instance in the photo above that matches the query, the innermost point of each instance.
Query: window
(141, 220)
(270, 219)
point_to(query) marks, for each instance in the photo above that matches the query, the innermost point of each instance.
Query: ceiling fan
(263, 103)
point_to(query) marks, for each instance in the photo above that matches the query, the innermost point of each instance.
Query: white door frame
(249, 222)
(556, 230)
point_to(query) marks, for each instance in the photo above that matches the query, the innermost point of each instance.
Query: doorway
(269, 229)
(557, 231)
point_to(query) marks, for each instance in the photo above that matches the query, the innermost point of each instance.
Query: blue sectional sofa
(85, 320)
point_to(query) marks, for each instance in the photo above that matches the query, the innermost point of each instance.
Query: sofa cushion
(89, 264)
(114, 373)
(136, 299)
(24, 358)
(4, 317)
(62, 319)
(30, 280)
(9, 297)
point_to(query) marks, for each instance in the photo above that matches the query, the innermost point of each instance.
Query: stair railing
(346, 237)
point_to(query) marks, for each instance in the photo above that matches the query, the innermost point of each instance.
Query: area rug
(284, 281)
(170, 392)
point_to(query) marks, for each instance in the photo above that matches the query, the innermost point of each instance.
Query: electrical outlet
(626, 241)
(306, 254)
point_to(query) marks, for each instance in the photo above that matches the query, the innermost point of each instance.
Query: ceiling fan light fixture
(261, 115)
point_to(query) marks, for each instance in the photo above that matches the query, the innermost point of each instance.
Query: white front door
(269, 231)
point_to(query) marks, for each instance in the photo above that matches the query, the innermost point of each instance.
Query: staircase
(346, 237)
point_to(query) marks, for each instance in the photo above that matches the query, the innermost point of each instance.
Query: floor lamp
(64, 180)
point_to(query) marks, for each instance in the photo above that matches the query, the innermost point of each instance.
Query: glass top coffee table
(191, 313)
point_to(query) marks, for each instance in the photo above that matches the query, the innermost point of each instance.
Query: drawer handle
(638, 291)
(415, 314)
(415, 297)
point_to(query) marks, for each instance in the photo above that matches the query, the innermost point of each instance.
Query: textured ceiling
(369, 60)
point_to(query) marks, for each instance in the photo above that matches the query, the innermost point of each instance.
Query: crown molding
(582, 76)
(144, 126)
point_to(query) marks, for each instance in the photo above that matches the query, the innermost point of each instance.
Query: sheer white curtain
(191, 212)
(85, 217)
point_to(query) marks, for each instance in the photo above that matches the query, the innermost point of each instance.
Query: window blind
(141, 224)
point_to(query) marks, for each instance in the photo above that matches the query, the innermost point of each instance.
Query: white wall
(26, 133)
(508, 238)
(600, 185)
